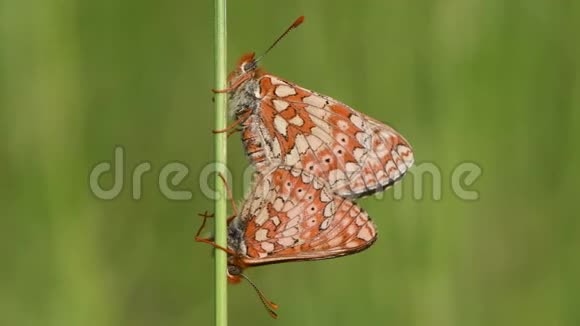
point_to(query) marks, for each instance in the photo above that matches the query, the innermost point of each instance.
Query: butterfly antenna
(295, 24)
(269, 305)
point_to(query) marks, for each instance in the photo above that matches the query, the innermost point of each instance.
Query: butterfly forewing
(293, 126)
(293, 215)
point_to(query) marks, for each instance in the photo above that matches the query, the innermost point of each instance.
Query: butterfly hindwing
(292, 215)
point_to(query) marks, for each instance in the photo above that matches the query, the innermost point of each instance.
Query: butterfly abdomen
(254, 144)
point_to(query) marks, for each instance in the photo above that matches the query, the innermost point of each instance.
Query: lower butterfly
(291, 215)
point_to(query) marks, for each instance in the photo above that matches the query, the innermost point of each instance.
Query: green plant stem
(221, 294)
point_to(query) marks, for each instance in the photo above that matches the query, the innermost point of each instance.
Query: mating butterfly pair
(312, 156)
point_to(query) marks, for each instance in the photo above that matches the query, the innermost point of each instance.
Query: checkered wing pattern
(289, 125)
(291, 215)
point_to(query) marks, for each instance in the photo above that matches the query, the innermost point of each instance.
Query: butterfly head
(247, 69)
(248, 63)
(234, 273)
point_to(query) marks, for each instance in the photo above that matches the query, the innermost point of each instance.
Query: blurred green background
(491, 82)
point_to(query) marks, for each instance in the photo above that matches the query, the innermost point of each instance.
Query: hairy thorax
(236, 235)
(245, 97)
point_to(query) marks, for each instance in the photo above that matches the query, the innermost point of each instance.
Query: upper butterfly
(285, 124)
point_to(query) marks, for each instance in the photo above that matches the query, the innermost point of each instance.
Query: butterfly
(286, 124)
(292, 215)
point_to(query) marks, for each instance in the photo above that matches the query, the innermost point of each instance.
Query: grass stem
(221, 294)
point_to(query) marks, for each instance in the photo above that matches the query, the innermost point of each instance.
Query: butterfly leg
(235, 85)
(234, 124)
(228, 128)
(205, 216)
(234, 131)
(230, 197)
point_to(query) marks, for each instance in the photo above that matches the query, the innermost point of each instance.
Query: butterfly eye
(234, 270)
(299, 190)
(327, 160)
(251, 65)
